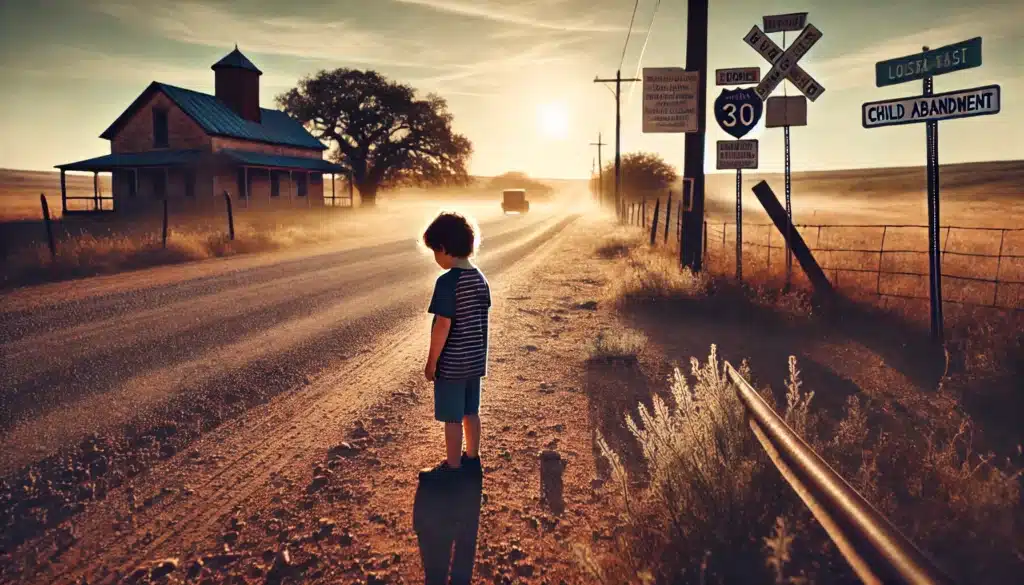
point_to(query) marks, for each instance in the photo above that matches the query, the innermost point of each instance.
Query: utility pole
(600, 169)
(618, 118)
(691, 253)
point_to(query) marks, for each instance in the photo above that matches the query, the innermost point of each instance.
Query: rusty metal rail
(875, 549)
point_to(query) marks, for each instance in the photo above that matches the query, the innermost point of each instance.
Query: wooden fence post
(49, 228)
(231, 217)
(654, 222)
(165, 223)
(668, 214)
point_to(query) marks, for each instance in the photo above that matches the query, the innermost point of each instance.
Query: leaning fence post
(49, 228)
(231, 217)
(668, 214)
(654, 223)
(165, 223)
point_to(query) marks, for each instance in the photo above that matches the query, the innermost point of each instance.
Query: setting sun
(553, 120)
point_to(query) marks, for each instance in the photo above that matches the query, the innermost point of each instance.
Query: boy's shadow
(446, 518)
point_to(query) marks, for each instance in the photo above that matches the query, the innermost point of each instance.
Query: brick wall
(220, 142)
(136, 135)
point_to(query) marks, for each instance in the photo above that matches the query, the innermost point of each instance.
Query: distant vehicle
(514, 200)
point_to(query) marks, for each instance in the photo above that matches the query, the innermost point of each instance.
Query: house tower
(237, 84)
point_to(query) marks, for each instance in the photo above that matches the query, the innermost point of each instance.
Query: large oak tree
(380, 131)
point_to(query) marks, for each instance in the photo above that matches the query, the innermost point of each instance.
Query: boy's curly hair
(452, 234)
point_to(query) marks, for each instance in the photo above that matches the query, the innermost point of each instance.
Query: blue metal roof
(153, 158)
(259, 159)
(237, 60)
(217, 119)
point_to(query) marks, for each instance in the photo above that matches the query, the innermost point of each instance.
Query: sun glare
(553, 120)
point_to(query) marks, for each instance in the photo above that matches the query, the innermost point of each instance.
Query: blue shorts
(454, 399)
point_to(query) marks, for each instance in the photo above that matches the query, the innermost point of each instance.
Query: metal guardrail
(875, 549)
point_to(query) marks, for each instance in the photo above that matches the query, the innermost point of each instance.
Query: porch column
(309, 182)
(332, 187)
(245, 185)
(167, 183)
(351, 190)
(135, 178)
(63, 193)
(96, 190)
(291, 187)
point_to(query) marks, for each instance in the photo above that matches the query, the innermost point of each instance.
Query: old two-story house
(191, 148)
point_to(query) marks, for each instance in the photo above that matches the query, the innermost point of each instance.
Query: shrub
(712, 507)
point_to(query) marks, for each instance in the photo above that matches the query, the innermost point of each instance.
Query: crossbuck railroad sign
(784, 63)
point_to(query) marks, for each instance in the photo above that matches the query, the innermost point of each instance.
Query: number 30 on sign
(738, 111)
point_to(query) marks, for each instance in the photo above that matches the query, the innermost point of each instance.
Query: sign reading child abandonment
(965, 103)
(670, 99)
(737, 154)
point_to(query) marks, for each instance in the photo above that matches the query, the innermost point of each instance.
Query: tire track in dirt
(311, 415)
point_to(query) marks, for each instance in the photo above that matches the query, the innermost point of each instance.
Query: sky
(518, 74)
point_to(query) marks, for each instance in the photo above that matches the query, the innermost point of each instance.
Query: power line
(628, 32)
(640, 61)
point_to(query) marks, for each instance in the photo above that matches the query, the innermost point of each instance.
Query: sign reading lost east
(737, 76)
(785, 22)
(962, 55)
(670, 99)
(737, 154)
(966, 103)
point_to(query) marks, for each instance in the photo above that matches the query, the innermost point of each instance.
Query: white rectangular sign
(780, 70)
(670, 99)
(771, 53)
(737, 154)
(785, 111)
(785, 22)
(965, 103)
(737, 76)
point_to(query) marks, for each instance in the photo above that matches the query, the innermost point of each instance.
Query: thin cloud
(505, 12)
(201, 24)
(852, 69)
(78, 64)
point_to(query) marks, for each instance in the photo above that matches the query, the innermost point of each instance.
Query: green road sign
(962, 55)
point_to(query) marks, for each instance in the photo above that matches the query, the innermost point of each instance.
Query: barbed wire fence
(981, 266)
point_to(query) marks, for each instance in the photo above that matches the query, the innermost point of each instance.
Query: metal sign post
(739, 155)
(930, 108)
(737, 112)
(784, 67)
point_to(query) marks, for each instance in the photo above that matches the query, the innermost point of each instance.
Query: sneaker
(472, 464)
(441, 469)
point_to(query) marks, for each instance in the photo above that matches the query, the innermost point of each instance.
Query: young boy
(457, 359)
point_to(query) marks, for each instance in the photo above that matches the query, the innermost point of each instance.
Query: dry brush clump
(618, 345)
(712, 507)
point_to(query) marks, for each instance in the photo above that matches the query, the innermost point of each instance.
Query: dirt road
(135, 419)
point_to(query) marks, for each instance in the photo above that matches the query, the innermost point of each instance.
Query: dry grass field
(868, 230)
(915, 445)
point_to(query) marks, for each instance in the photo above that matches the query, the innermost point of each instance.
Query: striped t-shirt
(462, 295)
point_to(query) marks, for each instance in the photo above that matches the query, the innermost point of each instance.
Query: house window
(159, 128)
(190, 183)
(244, 183)
(301, 187)
(275, 184)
